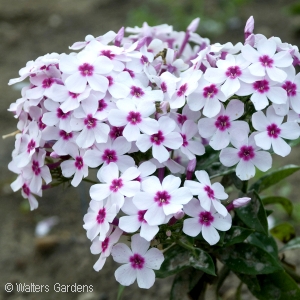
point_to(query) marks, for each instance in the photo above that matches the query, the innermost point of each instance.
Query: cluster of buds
(141, 109)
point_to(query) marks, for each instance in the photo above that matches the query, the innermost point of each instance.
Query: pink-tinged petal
(145, 278)
(143, 200)
(189, 128)
(173, 140)
(263, 140)
(259, 101)
(245, 170)
(193, 186)
(230, 86)
(50, 118)
(149, 126)
(260, 121)
(191, 227)
(35, 93)
(151, 185)
(212, 107)
(99, 191)
(280, 147)
(98, 82)
(235, 109)
(276, 74)
(130, 188)
(222, 223)
(125, 274)
(131, 132)
(203, 177)
(153, 259)
(192, 208)
(250, 53)
(181, 196)
(229, 157)
(148, 232)
(277, 95)
(171, 183)
(76, 83)
(68, 168)
(109, 173)
(290, 130)
(220, 208)
(77, 178)
(129, 223)
(160, 153)
(210, 234)
(155, 215)
(219, 140)
(139, 245)
(215, 75)
(207, 127)
(196, 148)
(262, 160)
(121, 253)
(239, 129)
(143, 142)
(99, 263)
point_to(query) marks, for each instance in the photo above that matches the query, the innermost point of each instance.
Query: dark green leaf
(249, 280)
(178, 258)
(274, 177)
(254, 215)
(284, 232)
(276, 286)
(292, 244)
(236, 235)
(286, 203)
(248, 259)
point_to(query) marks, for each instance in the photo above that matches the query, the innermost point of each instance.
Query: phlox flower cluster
(141, 109)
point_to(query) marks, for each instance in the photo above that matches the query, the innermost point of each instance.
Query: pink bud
(250, 40)
(179, 215)
(54, 155)
(249, 27)
(168, 233)
(194, 25)
(240, 202)
(119, 37)
(191, 168)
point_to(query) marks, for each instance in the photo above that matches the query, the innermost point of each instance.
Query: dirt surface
(28, 29)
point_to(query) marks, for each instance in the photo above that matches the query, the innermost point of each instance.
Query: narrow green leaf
(236, 235)
(292, 244)
(274, 177)
(254, 215)
(120, 291)
(248, 259)
(284, 202)
(284, 232)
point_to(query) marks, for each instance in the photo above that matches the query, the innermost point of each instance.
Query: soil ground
(28, 29)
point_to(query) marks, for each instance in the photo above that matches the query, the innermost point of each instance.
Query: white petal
(139, 245)
(121, 253)
(145, 278)
(191, 227)
(210, 234)
(125, 275)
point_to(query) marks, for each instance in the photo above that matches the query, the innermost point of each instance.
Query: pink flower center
(163, 87)
(273, 131)
(206, 218)
(185, 142)
(61, 115)
(134, 118)
(116, 132)
(136, 91)
(101, 105)
(26, 189)
(86, 69)
(131, 73)
(182, 90)
(41, 124)
(36, 167)
(108, 54)
(157, 138)
(141, 214)
(47, 83)
(233, 72)
(162, 198)
(101, 215)
(261, 86)
(246, 153)
(110, 80)
(222, 123)
(266, 61)
(104, 244)
(137, 261)
(181, 119)
(73, 95)
(171, 68)
(30, 146)
(66, 135)
(79, 162)
(210, 192)
(144, 59)
(116, 185)
(290, 88)
(109, 156)
(210, 91)
(90, 122)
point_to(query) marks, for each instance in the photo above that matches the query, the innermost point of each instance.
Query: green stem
(186, 246)
(245, 187)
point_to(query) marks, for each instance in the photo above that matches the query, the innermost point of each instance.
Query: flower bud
(119, 37)
(179, 215)
(194, 25)
(240, 202)
(190, 169)
(249, 27)
(168, 233)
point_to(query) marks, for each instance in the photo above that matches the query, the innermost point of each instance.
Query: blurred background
(31, 28)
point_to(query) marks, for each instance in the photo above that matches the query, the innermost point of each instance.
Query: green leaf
(236, 235)
(292, 244)
(249, 280)
(274, 177)
(120, 292)
(248, 259)
(284, 202)
(284, 232)
(183, 283)
(253, 214)
(276, 286)
(178, 258)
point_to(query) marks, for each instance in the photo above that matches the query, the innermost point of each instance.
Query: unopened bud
(54, 155)
(191, 168)
(194, 25)
(168, 233)
(249, 27)
(250, 40)
(119, 37)
(179, 215)
(240, 202)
